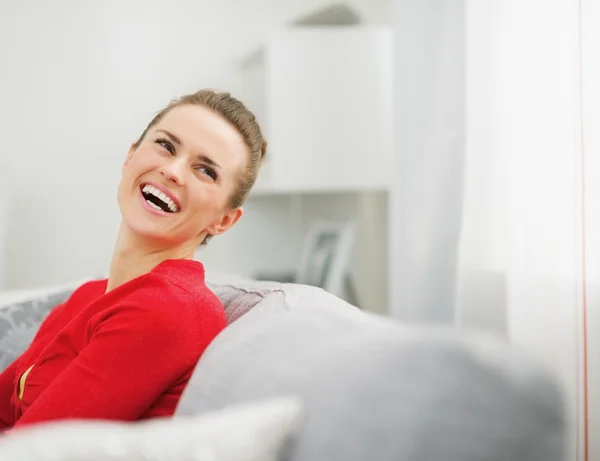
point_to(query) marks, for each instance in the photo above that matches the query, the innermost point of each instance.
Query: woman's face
(177, 183)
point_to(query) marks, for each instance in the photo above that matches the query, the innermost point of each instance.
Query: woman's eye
(208, 171)
(166, 145)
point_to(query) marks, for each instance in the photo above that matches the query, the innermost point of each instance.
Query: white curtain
(506, 226)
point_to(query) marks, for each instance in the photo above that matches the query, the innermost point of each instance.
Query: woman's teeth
(158, 199)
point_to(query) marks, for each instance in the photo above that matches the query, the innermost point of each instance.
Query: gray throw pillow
(375, 389)
(237, 300)
(240, 295)
(20, 321)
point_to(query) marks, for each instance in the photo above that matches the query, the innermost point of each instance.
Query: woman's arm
(135, 353)
(7, 383)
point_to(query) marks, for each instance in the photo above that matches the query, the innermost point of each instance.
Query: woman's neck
(133, 257)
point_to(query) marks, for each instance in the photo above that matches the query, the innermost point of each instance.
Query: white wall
(3, 227)
(79, 81)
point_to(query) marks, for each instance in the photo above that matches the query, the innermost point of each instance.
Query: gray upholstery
(239, 295)
(20, 321)
(376, 390)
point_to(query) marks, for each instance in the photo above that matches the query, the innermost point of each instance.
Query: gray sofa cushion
(20, 321)
(375, 389)
(239, 295)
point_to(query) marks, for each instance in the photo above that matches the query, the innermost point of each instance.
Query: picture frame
(326, 256)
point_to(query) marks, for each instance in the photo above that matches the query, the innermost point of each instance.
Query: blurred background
(432, 161)
(80, 81)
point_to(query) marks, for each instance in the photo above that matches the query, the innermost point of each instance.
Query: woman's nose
(174, 171)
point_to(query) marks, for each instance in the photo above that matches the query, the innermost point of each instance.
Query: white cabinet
(324, 98)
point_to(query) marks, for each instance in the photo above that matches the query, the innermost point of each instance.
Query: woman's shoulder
(63, 313)
(172, 300)
(177, 288)
(184, 278)
(185, 272)
(85, 293)
(90, 287)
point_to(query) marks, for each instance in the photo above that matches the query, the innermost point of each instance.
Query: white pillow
(250, 432)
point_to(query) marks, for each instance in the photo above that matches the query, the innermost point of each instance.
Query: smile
(158, 200)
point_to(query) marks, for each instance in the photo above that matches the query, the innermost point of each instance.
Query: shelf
(264, 190)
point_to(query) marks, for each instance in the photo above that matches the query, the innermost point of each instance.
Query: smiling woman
(124, 348)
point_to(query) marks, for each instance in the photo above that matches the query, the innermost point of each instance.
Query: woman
(125, 347)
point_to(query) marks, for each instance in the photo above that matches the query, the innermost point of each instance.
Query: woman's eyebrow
(172, 137)
(202, 157)
(208, 161)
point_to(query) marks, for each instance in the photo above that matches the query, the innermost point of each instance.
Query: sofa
(368, 387)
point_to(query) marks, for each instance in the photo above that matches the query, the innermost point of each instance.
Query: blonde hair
(238, 115)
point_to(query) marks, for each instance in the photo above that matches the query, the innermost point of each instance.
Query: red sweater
(123, 355)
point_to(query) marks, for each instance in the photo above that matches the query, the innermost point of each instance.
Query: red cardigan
(123, 355)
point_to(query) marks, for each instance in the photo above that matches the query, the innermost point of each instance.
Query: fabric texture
(123, 355)
(374, 389)
(20, 295)
(240, 295)
(19, 322)
(258, 431)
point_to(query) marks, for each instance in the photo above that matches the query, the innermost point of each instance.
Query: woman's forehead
(206, 132)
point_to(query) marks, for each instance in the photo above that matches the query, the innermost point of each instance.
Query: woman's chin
(159, 231)
(160, 236)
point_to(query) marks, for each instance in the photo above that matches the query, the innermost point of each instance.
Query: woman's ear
(226, 222)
